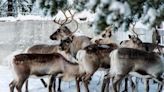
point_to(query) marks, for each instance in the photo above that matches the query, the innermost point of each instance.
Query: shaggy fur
(39, 58)
(134, 54)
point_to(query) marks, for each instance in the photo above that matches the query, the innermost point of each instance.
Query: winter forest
(82, 45)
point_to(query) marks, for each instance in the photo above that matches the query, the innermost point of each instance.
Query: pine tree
(13, 7)
(120, 13)
(50, 7)
(22, 6)
(10, 8)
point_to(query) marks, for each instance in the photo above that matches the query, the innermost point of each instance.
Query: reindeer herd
(79, 57)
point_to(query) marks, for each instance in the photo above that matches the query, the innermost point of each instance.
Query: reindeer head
(107, 33)
(65, 44)
(63, 31)
(60, 33)
(133, 42)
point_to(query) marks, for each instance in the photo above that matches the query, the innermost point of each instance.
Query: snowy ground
(36, 86)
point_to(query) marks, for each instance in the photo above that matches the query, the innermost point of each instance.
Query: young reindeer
(126, 60)
(54, 64)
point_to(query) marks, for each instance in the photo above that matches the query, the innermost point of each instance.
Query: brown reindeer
(75, 43)
(78, 42)
(92, 56)
(136, 43)
(43, 49)
(54, 64)
(126, 60)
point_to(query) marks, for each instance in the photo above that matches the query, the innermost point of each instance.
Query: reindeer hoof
(124, 91)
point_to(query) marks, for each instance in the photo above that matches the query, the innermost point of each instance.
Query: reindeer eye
(103, 35)
(65, 27)
(134, 41)
(58, 30)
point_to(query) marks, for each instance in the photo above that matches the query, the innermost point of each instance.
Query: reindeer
(135, 42)
(43, 49)
(126, 60)
(92, 56)
(105, 37)
(75, 43)
(78, 42)
(54, 64)
(95, 56)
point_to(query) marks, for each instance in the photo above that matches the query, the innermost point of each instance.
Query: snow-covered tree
(50, 7)
(14, 7)
(22, 6)
(119, 13)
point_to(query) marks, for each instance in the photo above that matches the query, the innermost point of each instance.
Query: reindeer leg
(107, 86)
(44, 83)
(126, 85)
(77, 84)
(116, 82)
(20, 82)
(135, 88)
(51, 81)
(26, 90)
(146, 85)
(105, 83)
(59, 85)
(132, 84)
(86, 85)
(12, 86)
(159, 89)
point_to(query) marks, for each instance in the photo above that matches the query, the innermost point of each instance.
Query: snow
(35, 84)
(117, 6)
(59, 15)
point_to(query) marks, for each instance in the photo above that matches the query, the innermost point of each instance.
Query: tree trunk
(10, 8)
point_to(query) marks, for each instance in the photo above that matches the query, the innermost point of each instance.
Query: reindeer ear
(71, 38)
(121, 42)
(129, 36)
(97, 41)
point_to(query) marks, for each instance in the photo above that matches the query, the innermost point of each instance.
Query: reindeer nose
(53, 38)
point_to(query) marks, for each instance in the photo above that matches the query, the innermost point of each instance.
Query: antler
(66, 19)
(76, 25)
(133, 24)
